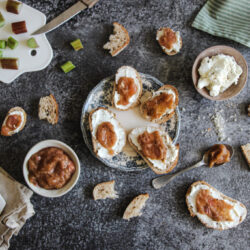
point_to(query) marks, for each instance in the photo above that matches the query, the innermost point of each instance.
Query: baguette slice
(169, 165)
(127, 71)
(168, 114)
(175, 47)
(135, 206)
(105, 190)
(117, 41)
(48, 109)
(239, 212)
(13, 111)
(246, 152)
(121, 134)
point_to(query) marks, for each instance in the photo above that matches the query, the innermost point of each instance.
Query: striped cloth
(226, 18)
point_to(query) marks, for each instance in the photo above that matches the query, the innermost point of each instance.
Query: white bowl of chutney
(52, 193)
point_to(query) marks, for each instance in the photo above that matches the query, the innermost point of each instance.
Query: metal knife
(66, 15)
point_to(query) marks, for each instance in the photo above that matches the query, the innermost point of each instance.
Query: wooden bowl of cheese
(218, 69)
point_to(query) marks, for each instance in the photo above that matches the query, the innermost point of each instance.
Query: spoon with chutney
(217, 155)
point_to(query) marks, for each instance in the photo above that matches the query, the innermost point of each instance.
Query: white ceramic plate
(56, 192)
(27, 63)
(128, 160)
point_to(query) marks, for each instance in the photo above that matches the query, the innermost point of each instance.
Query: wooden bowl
(234, 89)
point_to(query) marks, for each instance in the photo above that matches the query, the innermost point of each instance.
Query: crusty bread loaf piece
(175, 49)
(94, 141)
(246, 152)
(204, 219)
(15, 109)
(168, 168)
(105, 190)
(165, 117)
(135, 206)
(117, 41)
(137, 101)
(48, 109)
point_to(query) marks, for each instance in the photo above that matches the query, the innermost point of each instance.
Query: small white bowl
(55, 192)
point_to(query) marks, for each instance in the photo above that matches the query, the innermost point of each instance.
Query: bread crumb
(219, 124)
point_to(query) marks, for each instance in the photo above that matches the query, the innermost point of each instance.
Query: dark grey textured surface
(75, 221)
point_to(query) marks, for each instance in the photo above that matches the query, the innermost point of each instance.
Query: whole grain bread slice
(150, 164)
(165, 117)
(246, 152)
(48, 109)
(117, 41)
(19, 109)
(94, 141)
(135, 207)
(137, 101)
(193, 214)
(105, 190)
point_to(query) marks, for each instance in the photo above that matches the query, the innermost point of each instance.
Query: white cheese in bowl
(218, 73)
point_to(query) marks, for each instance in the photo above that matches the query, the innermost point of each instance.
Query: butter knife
(65, 16)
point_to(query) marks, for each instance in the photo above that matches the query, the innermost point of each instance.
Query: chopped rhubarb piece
(14, 6)
(77, 45)
(2, 20)
(1, 53)
(67, 67)
(2, 44)
(32, 43)
(9, 63)
(19, 27)
(12, 43)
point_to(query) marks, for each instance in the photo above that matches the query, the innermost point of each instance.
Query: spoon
(161, 181)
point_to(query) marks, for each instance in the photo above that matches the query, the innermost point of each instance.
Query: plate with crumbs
(101, 96)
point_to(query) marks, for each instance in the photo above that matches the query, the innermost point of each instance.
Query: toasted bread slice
(239, 211)
(135, 206)
(157, 166)
(169, 113)
(246, 152)
(117, 41)
(120, 132)
(14, 111)
(105, 190)
(127, 71)
(48, 109)
(175, 46)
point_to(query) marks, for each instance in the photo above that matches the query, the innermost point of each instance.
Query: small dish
(101, 96)
(55, 192)
(234, 89)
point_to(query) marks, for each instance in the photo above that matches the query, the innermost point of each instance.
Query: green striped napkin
(226, 18)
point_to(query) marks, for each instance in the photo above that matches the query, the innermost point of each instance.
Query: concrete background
(75, 221)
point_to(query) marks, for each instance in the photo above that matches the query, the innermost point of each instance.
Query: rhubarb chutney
(50, 168)
(12, 123)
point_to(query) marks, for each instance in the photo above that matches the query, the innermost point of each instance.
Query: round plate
(234, 89)
(101, 96)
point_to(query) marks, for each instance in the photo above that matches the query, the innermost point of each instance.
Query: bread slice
(207, 221)
(246, 152)
(48, 109)
(178, 45)
(169, 166)
(19, 110)
(94, 141)
(123, 71)
(135, 206)
(165, 117)
(105, 190)
(117, 41)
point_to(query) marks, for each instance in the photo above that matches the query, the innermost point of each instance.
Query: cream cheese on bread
(127, 71)
(100, 116)
(19, 113)
(175, 46)
(237, 212)
(171, 152)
